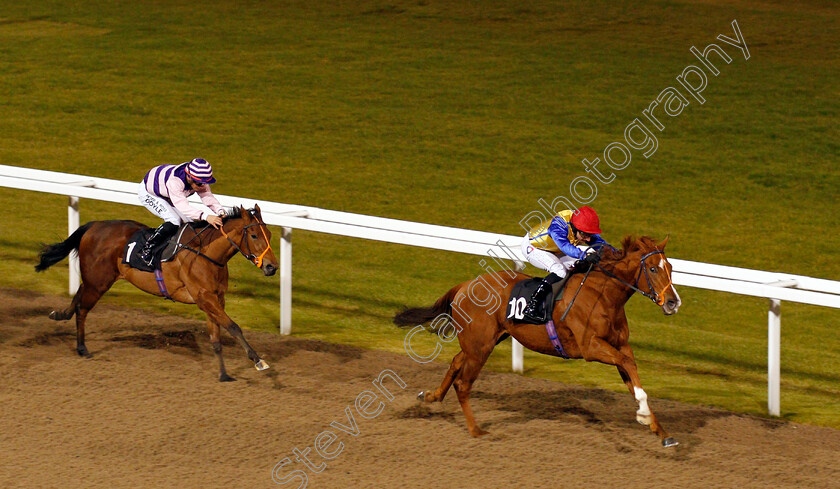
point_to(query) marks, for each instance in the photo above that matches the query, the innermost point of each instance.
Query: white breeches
(550, 262)
(160, 207)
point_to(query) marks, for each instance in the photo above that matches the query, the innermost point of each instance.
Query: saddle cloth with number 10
(523, 291)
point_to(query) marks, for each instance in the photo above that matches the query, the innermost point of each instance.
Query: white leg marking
(641, 398)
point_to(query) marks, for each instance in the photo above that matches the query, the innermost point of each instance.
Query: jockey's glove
(592, 258)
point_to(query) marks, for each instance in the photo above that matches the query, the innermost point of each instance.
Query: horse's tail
(419, 315)
(54, 253)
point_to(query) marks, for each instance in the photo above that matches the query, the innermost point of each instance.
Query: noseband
(256, 260)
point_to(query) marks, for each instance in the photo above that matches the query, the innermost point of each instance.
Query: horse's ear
(243, 212)
(257, 211)
(661, 245)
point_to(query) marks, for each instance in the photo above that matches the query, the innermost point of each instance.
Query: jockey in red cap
(164, 191)
(556, 244)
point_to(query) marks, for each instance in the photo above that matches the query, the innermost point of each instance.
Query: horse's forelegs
(603, 352)
(644, 415)
(216, 341)
(214, 306)
(441, 391)
(236, 332)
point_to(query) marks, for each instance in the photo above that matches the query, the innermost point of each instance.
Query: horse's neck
(219, 248)
(627, 270)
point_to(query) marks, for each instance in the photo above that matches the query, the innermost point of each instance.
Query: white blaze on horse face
(671, 286)
(677, 295)
(641, 398)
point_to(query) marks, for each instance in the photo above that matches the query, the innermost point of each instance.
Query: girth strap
(161, 285)
(555, 341)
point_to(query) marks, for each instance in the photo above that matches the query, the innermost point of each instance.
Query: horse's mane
(235, 213)
(629, 245)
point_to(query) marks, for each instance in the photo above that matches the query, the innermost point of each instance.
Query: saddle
(522, 292)
(162, 253)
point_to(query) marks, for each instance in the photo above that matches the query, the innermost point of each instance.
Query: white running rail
(774, 286)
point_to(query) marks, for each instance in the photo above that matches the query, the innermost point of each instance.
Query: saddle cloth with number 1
(163, 252)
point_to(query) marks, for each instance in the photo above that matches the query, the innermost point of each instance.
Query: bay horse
(595, 329)
(197, 275)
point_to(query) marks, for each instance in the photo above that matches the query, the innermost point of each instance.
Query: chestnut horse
(197, 275)
(595, 329)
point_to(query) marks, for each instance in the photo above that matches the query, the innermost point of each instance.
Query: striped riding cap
(200, 171)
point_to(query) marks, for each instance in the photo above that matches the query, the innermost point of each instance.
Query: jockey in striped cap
(200, 171)
(164, 191)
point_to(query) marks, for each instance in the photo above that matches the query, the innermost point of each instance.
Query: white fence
(774, 286)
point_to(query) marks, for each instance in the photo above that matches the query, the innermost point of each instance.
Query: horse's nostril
(672, 304)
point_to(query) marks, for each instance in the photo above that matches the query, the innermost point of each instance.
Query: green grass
(461, 114)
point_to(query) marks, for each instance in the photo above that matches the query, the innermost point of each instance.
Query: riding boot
(161, 234)
(532, 310)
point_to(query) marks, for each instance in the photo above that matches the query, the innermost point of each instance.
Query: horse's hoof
(58, 316)
(83, 353)
(226, 378)
(261, 365)
(670, 442)
(479, 433)
(421, 396)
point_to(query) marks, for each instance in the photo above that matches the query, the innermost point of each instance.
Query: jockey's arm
(598, 240)
(208, 199)
(178, 196)
(559, 232)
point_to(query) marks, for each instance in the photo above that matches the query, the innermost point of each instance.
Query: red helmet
(586, 220)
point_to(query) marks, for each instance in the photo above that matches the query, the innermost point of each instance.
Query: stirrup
(147, 255)
(150, 262)
(158, 237)
(530, 316)
(530, 311)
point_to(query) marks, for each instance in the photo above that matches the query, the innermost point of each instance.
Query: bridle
(256, 260)
(253, 258)
(657, 297)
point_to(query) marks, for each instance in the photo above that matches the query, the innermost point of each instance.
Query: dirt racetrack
(146, 411)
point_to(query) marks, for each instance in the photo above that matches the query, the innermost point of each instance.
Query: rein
(572, 302)
(656, 297)
(185, 246)
(256, 260)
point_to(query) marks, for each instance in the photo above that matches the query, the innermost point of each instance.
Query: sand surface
(147, 411)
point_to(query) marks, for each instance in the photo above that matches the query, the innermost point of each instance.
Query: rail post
(516, 355)
(72, 226)
(286, 281)
(774, 372)
(774, 350)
